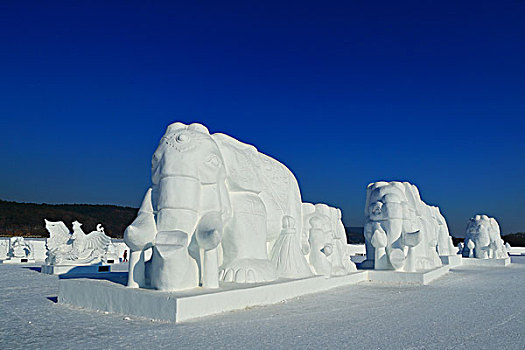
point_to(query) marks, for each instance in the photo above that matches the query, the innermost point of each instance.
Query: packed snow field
(471, 307)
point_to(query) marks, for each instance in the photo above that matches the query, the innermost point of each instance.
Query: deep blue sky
(343, 93)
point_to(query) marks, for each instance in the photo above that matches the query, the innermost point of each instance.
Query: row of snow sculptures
(77, 247)
(483, 239)
(218, 209)
(403, 233)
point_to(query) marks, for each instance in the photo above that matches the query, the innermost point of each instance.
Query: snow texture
(471, 307)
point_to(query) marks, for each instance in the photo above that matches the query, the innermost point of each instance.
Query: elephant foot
(350, 266)
(248, 271)
(397, 259)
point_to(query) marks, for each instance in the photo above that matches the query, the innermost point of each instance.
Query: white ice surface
(469, 308)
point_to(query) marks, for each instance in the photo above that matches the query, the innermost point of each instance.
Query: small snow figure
(125, 256)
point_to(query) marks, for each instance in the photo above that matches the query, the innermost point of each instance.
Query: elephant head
(386, 206)
(483, 234)
(188, 177)
(184, 212)
(396, 209)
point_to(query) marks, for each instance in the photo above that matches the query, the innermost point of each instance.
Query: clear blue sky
(344, 93)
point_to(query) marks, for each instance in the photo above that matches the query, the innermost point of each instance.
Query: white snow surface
(470, 308)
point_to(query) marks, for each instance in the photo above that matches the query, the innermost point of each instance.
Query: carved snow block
(398, 277)
(486, 262)
(14, 260)
(451, 260)
(180, 306)
(82, 269)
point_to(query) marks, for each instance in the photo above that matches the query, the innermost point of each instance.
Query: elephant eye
(182, 138)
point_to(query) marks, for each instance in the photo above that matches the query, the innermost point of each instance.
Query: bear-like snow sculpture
(483, 239)
(19, 248)
(402, 232)
(214, 211)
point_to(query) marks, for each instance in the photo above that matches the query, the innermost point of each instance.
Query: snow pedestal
(193, 303)
(486, 262)
(83, 269)
(18, 261)
(418, 277)
(451, 260)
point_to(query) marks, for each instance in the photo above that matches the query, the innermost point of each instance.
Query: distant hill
(27, 219)
(515, 239)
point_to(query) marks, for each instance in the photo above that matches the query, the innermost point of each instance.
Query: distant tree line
(27, 219)
(515, 239)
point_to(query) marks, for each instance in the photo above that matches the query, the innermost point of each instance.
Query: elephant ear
(241, 163)
(495, 227)
(414, 198)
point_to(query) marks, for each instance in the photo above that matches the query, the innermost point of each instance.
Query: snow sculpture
(19, 248)
(111, 255)
(320, 246)
(76, 248)
(214, 212)
(341, 243)
(402, 232)
(324, 240)
(483, 239)
(4, 248)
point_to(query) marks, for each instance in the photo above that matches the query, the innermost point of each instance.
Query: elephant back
(249, 170)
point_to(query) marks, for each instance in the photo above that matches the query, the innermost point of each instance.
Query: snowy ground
(470, 308)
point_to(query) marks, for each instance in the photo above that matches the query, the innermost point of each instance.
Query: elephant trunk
(178, 202)
(395, 252)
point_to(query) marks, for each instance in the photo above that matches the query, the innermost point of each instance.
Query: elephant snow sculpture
(324, 240)
(214, 211)
(483, 239)
(415, 232)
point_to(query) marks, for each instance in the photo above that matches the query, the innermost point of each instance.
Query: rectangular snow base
(18, 261)
(82, 269)
(486, 262)
(451, 260)
(420, 277)
(185, 305)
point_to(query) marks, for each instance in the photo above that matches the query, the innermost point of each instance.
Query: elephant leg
(370, 250)
(208, 236)
(136, 275)
(395, 252)
(210, 270)
(244, 242)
